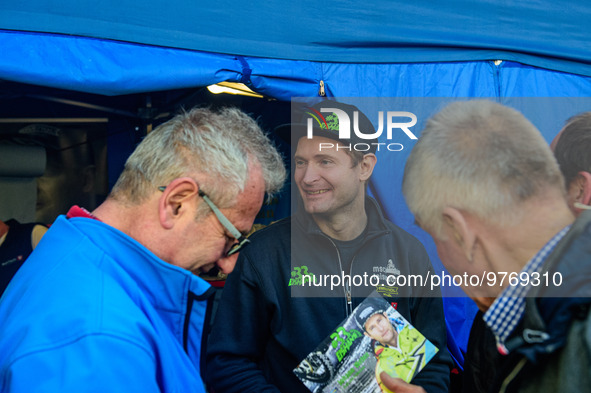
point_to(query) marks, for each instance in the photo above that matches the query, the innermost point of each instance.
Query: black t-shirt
(348, 249)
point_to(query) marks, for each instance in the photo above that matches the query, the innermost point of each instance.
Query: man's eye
(300, 163)
(326, 162)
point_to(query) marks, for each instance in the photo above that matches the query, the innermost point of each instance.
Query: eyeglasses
(242, 241)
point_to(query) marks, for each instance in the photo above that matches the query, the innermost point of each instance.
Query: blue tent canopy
(542, 33)
(105, 52)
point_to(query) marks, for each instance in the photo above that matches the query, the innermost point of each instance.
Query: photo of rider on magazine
(374, 338)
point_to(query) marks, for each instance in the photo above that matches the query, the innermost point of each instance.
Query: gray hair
(480, 157)
(219, 144)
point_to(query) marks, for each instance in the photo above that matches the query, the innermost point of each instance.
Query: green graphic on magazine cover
(357, 368)
(349, 360)
(342, 340)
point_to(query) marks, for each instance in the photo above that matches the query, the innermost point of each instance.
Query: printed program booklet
(374, 338)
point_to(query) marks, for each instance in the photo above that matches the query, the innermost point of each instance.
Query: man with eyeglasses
(110, 300)
(269, 320)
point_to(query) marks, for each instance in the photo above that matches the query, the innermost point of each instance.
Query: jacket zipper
(511, 377)
(346, 287)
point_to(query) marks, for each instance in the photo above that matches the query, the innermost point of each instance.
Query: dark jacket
(264, 327)
(482, 359)
(550, 350)
(14, 250)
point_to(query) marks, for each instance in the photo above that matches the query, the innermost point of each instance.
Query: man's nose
(311, 174)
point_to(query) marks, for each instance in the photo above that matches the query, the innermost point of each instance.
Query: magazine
(374, 338)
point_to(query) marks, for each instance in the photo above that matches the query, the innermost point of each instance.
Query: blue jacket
(264, 326)
(94, 310)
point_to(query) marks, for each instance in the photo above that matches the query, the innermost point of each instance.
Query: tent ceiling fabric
(543, 33)
(111, 68)
(107, 67)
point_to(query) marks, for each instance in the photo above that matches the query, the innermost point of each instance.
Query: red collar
(3, 228)
(77, 211)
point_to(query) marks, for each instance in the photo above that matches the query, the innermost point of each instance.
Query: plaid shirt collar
(506, 311)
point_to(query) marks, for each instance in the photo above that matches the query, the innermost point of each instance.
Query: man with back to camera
(572, 147)
(110, 301)
(484, 184)
(261, 330)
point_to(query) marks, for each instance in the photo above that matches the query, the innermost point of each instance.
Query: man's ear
(580, 188)
(460, 229)
(367, 165)
(176, 199)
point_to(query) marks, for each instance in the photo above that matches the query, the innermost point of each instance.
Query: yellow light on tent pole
(232, 88)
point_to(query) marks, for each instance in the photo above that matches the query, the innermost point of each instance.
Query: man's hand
(397, 385)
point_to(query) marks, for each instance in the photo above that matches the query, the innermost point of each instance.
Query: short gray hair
(219, 144)
(480, 157)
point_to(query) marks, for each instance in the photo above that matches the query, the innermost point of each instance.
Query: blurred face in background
(68, 180)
